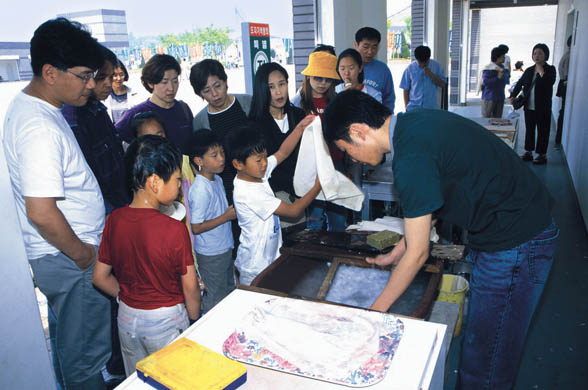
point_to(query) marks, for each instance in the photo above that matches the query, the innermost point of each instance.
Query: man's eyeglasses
(85, 77)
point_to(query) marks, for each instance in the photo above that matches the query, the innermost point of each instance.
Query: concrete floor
(555, 355)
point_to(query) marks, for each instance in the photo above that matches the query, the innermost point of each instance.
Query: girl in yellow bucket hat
(318, 87)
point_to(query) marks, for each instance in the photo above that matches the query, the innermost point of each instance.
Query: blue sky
(19, 20)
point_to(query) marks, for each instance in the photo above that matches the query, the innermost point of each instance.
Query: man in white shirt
(59, 203)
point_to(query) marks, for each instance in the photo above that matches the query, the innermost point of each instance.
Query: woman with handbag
(537, 86)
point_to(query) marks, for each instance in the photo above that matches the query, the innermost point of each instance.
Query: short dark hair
(148, 155)
(200, 141)
(63, 44)
(367, 33)
(155, 68)
(544, 48)
(422, 53)
(261, 98)
(144, 117)
(354, 54)
(200, 73)
(107, 56)
(503, 47)
(350, 107)
(328, 48)
(120, 64)
(244, 142)
(496, 53)
(519, 65)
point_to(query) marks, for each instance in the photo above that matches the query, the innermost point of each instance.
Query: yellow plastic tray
(186, 365)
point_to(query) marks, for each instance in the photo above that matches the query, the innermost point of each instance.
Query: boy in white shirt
(255, 203)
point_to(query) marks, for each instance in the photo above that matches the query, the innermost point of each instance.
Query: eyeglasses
(322, 79)
(86, 77)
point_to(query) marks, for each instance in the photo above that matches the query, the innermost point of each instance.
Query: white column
(338, 20)
(25, 360)
(465, 44)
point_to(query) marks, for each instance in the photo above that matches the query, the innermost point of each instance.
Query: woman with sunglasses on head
(121, 96)
(320, 78)
(350, 69)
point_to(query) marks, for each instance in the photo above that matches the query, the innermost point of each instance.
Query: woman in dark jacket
(537, 85)
(276, 117)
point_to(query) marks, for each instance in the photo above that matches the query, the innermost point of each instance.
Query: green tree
(408, 23)
(210, 34)
(213, 35)
(169, 40)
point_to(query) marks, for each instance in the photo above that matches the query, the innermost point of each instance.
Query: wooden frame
(303, 252)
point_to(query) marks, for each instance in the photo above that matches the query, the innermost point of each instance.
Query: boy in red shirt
(145, 257)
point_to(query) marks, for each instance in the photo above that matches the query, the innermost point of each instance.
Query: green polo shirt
(446, 164)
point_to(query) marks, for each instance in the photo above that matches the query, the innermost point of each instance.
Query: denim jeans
(321, 211)
(505, 288)
(143, 332)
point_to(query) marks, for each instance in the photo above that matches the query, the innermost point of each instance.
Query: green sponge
(383, 239)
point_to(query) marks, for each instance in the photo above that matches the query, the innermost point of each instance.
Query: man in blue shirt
(421, 79)
(376, 73)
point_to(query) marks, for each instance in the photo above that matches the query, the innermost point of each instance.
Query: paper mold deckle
(317, 340)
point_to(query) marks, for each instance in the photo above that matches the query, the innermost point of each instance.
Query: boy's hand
(230, 213)
(317, 182)
(303, 124)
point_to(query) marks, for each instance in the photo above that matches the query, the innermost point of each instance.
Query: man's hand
(88, 258)
(392, 257)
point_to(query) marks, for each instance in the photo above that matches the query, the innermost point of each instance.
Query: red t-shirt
(148, 252)
(320, 104)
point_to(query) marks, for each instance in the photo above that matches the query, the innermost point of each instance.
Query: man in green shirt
(449, 167)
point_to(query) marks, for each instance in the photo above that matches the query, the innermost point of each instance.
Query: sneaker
(540, 160)
(528, 156)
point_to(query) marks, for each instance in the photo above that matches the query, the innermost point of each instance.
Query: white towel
(314, 157)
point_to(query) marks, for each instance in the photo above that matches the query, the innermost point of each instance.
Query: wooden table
(507, 133)
(419, 362)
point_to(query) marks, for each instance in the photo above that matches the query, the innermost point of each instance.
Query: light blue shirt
(366, 89)
(207, 200)
(422, 90)
(377, 75)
